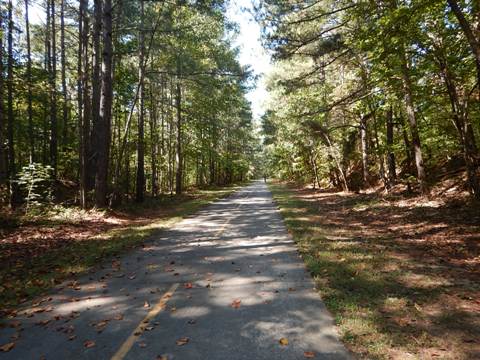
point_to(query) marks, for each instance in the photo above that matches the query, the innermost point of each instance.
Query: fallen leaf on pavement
(42, 322)
(182, 341)
(236, 304)
(89, 344)
(7, 347)
(101, 325)
(118, 317)
(309, 354)
(283, 341)
(188, 285)
(146, 305)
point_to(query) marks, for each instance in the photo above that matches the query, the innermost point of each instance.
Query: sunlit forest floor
(40, 251)
(400, 274)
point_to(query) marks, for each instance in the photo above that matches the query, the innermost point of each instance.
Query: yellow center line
(127, 345)
(224, 226)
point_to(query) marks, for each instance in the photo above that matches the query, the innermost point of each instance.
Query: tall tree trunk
(64, 76)
(179, 155)
(162, 135)
(53, 95)
(11, 147)
(48, 69)
(412, 120)
(3, 159)
(106, 99)
(313, 160)
(96, 84)
(140, 183)
(83, 99)
(469, 32)
(392, 173)
(363, 136)
(31, 136)
(465, 130)
(380, 155)
(153, 140)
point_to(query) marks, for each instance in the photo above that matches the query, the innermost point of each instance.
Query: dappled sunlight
(83, 304)
(235, 275)
(189, 312)
(392, 272)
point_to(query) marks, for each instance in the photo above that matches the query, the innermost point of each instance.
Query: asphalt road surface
(224, 284)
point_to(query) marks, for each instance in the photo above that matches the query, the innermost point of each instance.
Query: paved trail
(228, 281)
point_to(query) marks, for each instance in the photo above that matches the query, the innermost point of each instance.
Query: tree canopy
(121, 98)
(367, 92)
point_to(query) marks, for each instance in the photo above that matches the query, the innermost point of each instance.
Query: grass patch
(386, 303)
(42, 252)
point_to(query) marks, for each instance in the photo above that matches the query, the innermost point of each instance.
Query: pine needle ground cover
(40, 252)
(401, 276)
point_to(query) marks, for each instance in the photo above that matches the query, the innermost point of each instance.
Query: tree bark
(53, 94)
(64, 76)
(153, 140)
(96, 85)
(464, 129)
(179, 155)
(363, 136)
(10, 118)
(83, 99)
(140, 183)
(29, 87)
(105, 118)
(469, 32)
(392, 172)
(3, 153)
(412, 120)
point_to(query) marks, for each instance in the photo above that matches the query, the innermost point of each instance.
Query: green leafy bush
(36, 183)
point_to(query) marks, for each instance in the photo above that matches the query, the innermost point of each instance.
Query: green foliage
(36, 182)
(340, 61)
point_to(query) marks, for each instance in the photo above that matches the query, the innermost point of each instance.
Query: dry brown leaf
(182, 341)
(101, 324)
(188, 285)
(283, 341)
(15, 324)
(309, 354)
(7, 347)
(236, 304)
(89, 344)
